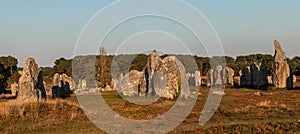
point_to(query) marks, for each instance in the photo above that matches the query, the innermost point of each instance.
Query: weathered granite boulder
(128, 85)
(31, 86)
(61, 86)
(281, 69)
(246, 77)
(218, 76)
(160, 77)
(255, 76)
(174, 71)
(153, 62)
(230, 75)
(68, 80)
(56, 80)
(264, 76)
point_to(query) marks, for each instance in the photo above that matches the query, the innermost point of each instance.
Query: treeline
(97, 69)
(8, 72)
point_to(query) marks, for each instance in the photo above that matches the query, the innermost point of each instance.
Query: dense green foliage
(9, 63)
(243, 61)
(63, 65)
(8, 68)
(295, 65)
(48, 71)
(102, 68)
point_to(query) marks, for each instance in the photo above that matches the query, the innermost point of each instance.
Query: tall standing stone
(281, 69)
(230, 75)
(30, 87)
(255, 76)
(264, 75)
(218, 76)
(161, 77)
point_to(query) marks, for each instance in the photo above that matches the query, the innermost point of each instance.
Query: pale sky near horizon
(48, 30)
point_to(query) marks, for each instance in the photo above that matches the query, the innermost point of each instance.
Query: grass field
(240, 111)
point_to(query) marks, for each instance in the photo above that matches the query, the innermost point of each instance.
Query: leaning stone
(281, 69)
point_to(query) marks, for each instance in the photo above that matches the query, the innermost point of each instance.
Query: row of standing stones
(31, 86)
(164, 77)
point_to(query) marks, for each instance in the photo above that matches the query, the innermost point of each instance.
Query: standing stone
(159, 82)
(175, 72)
(191, 79)
(153, 62)
(281, 69)
(162, 77)
(56, 80)
(230, 75)
(218, 76)
(14, 88)
(255, 76)
(61, 86)
(130, 83)
(246, 77)
(294, 81)
(68, 80)
(264, 75)
(30, 87)
(198, 78)
(209, 77)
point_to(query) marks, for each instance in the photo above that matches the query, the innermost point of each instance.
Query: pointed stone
(281, 69)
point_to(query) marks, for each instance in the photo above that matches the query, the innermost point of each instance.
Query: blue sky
(48, 30)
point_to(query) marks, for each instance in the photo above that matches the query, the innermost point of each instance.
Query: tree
(48, 71)
(103, 66)
(139, 62)
(295, 65)
(3, 78)
(244, 61)
(63, 65)
(9, 63)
